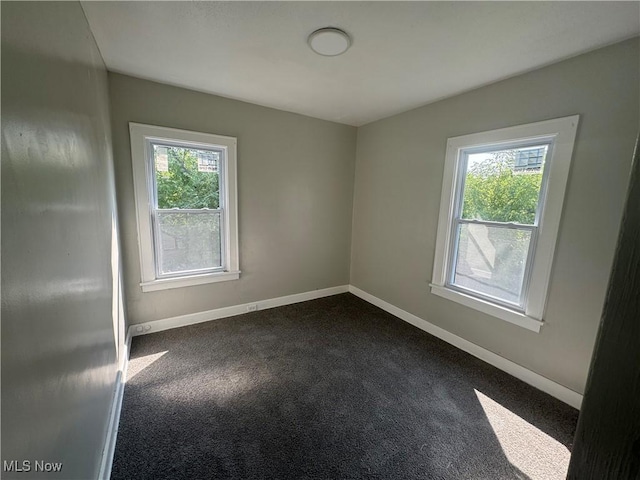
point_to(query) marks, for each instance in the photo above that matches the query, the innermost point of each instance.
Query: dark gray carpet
(329, 389)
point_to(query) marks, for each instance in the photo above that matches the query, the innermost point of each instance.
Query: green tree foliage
(183, 186)
(494, 191)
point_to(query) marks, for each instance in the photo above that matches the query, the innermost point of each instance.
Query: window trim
(561, 132)
(142, 136)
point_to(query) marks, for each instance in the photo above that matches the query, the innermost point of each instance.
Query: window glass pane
(504, 186)
(492, 260)
(187, 177)
(188, 241)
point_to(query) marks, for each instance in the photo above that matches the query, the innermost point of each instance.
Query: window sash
(453, 261)
(463, 161)
(157, 244)
(457, 220)
(157, 250)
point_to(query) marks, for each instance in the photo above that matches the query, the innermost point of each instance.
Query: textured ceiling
(404, 54)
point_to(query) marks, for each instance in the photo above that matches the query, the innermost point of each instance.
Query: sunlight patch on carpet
(532, 451)
(139, 364)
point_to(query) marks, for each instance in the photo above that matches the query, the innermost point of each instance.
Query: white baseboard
(193, 318)
(114, 415)
(112, 430)
(538, 381)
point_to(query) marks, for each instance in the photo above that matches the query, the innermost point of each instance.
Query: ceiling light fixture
(329, 41)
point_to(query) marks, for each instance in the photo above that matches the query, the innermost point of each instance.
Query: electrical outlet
(252, 308)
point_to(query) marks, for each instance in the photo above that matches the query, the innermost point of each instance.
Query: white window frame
(560, 133)
(144, 189)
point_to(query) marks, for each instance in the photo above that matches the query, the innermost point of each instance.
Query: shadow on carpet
(333, 388)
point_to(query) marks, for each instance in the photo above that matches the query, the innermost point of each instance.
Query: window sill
(489, 308)
(179, 282)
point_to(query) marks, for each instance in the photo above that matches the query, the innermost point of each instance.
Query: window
(500, 210)
(185, 189)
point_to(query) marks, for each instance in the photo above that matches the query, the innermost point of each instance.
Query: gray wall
(58, 344)
(399, 171)
(295, 193)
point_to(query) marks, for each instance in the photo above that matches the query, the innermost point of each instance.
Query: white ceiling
(404, 54)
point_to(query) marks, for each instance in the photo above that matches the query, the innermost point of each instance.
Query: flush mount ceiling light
(329, 42)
